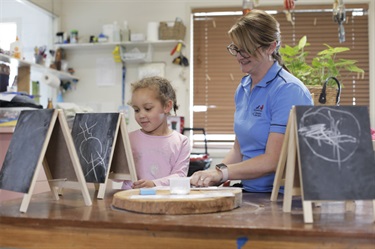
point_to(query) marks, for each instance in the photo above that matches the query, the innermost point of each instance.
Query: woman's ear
(168, 107)
(272, 47)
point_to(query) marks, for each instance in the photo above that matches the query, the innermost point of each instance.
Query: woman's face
(149, 112)
(249, 63)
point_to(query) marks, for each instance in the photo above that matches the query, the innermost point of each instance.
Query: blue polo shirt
(263, 110)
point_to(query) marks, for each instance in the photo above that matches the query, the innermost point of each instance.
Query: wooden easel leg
(288, 189)
(349, 206)
(96, 186)
(47, 171)
(307, 211)
(25, 203)
(60, 191)
(290, 167)
(277, 184)
(373, 210)
(27, 197)
(101, 191)
(280, 170)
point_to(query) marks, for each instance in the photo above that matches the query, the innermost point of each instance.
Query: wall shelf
(38, 68)
(112, 44)
(127, 55)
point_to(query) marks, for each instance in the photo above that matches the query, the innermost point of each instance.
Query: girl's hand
(143, 184)
(205, 178)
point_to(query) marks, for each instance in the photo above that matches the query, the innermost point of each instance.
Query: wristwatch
(224, 170)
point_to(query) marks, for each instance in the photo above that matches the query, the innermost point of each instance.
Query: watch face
(221, 166)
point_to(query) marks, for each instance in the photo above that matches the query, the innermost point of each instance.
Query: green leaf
(322, 66)
(302, 42)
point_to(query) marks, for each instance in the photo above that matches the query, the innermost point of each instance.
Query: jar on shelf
(74, 36)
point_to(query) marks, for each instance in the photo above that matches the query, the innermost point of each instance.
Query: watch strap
(224, 170)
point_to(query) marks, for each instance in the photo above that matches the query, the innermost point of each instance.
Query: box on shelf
(172, 31)
(137, 37)
(134, 55)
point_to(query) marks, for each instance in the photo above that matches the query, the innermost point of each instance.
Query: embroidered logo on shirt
(258, 111)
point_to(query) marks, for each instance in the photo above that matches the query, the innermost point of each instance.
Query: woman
(263, 100)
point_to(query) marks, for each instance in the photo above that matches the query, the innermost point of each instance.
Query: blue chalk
(147, 191)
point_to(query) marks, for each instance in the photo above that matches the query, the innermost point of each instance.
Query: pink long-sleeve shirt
(159, 158)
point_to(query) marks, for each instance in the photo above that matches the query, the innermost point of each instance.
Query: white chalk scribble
(330, 133)
(92, 151)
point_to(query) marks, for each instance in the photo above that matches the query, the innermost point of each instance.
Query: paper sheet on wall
(105, 72)
(151, 69)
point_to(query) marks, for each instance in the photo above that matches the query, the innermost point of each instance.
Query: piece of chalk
(147, 191)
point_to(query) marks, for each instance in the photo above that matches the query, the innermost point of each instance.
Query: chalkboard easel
(301, 168)
(122, 165)
(42, 139)
(103, 147)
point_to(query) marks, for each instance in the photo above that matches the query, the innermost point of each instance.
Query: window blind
(216, 73)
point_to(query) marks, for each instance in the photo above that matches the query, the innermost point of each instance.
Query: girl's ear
(168, 107)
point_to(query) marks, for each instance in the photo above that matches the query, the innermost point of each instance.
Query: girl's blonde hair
(257, 29)
(161, 86)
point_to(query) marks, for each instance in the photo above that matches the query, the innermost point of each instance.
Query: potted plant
(324, 67)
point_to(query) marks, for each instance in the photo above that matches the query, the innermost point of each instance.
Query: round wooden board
(206, 201)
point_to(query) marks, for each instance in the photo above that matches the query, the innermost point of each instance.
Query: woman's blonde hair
(257, 29)
(162, 87)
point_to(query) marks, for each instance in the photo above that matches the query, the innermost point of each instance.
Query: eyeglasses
(233, 50)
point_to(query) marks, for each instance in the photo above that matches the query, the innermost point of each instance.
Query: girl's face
(149, 113)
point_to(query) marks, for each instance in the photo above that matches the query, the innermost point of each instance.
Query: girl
(159, 152)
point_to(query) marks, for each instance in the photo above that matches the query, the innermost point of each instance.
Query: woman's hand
(205, 178)
(143, 184)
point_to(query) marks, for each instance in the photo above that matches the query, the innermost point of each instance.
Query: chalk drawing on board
(94, 137)
(335, 153)
(103, 148)
(303, 173)
(328, 138)
(92, 150)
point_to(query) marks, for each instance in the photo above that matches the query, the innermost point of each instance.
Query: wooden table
(259, 223)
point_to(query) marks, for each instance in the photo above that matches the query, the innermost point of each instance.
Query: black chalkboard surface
(25, 150)
(336, 153)
(94, 135)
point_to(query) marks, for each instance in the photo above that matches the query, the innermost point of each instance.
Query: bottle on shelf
(125, 32)
(16, 49)
(49, 104)
(74, 36)
(247, 6)
(116, 32)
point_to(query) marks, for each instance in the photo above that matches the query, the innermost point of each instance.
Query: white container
(125, 32)
(116, 32)
(108, 31)
(153, 31)
(179, 185)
